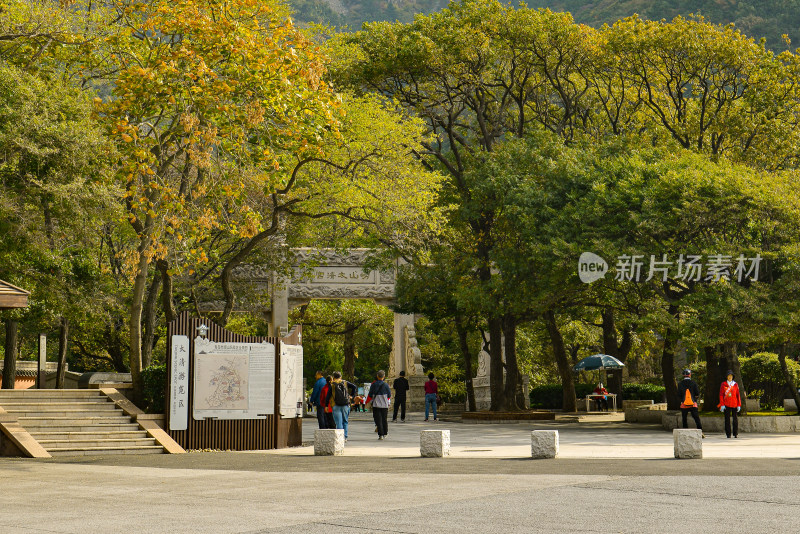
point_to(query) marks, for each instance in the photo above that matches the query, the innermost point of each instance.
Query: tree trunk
(618, 350)
(668, 364)
(789, 378)
(10, 360)
(150, 320)
(733, 358)
(611, 348)
(116, 345)
(49, 228)
(711, 395)
(349, 370)
(564, 368)
(63, 344)
(167, 303)
(462, 343)
(513, 385)
(496, 364)
(135, 321)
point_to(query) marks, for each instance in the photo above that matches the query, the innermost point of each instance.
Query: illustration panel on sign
(222, 382)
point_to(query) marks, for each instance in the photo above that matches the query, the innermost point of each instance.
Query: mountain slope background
(770, 19)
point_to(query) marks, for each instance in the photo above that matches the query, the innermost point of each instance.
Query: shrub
(551, 396)
(762, 373)
(643, 392)
(154, 380)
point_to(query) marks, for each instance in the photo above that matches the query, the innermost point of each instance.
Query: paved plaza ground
(611, 477)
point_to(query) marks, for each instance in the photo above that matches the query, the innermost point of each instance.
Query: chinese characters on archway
(337, 275)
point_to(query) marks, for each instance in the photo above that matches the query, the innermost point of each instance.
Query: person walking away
(601, 399)
(380, 395)
(730, 402)
(326, 396)
(431, 392)
(400, 386)
(357, 403)
(341, 401)
(689, 393)
(317, 401)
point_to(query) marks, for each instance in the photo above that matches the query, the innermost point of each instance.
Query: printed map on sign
(226, 387)
(233, 380)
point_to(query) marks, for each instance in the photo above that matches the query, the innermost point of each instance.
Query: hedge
(644, 392)
(154, 381)
(551, 396)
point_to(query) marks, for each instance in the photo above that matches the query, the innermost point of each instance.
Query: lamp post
(202, 330)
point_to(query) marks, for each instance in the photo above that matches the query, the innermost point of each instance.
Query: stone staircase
(76, 422)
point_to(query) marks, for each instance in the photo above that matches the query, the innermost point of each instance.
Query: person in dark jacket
(380, 395)
(689, 394)
(400, 387)
(317, 401)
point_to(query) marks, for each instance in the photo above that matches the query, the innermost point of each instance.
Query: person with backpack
(730, 402)
(343, 392)
(400, 388)
(380, 395)
(689, 394)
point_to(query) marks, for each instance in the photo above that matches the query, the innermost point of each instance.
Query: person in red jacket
(326, 400)
(730, 402)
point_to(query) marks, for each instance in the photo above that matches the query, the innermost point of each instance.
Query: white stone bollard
(688, 442)
(434, 443)
(329, 442)
(544, 444)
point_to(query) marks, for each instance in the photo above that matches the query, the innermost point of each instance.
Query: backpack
(687, 401)
(341, 397)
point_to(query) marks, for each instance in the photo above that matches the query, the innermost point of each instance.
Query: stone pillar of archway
(279, 320)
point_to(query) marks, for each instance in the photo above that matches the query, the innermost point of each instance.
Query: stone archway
(335, 275)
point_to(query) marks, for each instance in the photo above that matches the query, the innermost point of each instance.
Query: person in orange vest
(730, 402)
(689, 394)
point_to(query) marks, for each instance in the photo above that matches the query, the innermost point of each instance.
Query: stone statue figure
(483, 363)
(413, 354)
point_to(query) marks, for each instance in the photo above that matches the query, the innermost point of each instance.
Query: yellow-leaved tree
(210, 99)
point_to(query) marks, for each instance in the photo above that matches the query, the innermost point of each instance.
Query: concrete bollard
(329, 442)
(544, 444)
(688, 442)
(434, 443)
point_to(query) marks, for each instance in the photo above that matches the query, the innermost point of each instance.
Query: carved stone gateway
(333, 274)
(328, 274)
(343, 274)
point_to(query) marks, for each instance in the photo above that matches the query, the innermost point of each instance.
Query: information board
(233, 380)
(291, 381)
(179, 384)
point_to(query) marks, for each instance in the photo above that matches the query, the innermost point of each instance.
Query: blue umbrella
(598, 362)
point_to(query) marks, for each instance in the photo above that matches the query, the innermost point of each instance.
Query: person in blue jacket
(316, 401)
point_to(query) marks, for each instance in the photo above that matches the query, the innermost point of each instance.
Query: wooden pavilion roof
(12, 296)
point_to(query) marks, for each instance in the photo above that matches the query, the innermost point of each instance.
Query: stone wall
(760, 424)
(635, 403)
(645, 414)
